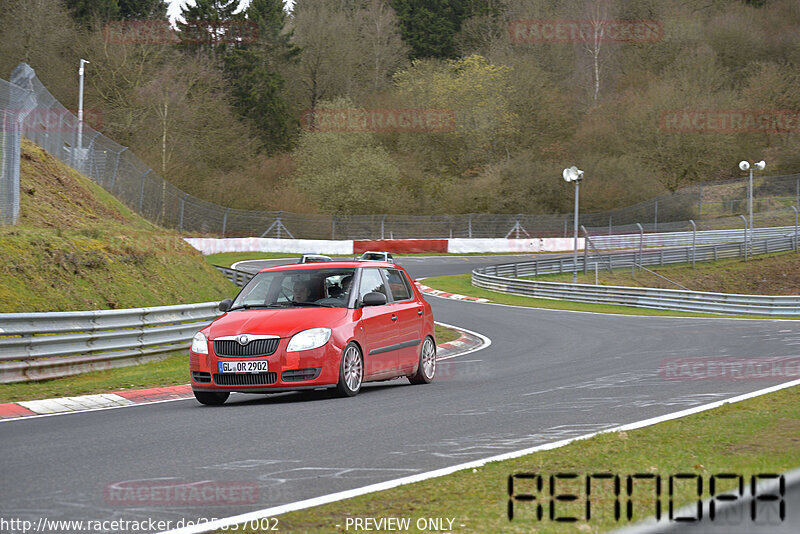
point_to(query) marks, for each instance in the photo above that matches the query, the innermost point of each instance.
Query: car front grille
(245, 379)
(199, 376)
(257, 347)
(295, 375)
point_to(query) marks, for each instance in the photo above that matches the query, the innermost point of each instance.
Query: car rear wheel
(427, 363)
(351, 371)
(210, 398)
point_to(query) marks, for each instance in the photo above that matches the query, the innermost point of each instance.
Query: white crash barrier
(538, 244)
(209, 245)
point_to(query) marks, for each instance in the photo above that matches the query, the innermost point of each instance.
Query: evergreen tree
(86, 11)
(429, 27)
(207, 22)
(142, 9)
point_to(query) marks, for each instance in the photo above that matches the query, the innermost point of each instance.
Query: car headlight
(200, 343)
(312, 338)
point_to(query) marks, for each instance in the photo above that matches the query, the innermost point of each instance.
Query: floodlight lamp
(760, 165)
(744, 165)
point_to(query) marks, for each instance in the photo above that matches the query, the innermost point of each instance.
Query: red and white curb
(102, 401)
(444, 294)
(468, 342)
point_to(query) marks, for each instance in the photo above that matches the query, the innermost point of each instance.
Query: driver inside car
(301, 292)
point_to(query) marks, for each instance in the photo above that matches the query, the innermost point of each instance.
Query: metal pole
(225, 222)
(795, 227)
(694, 241)
(575, 253)
(609, 225)
(745, 236)
(383, 222)
(641, 241)
(655, 216)
(333, 226)
(750, 209)
(80, 113)
(469, 225)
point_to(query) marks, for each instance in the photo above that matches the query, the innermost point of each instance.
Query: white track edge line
(347, 494)
(37, 416)
(486, 342)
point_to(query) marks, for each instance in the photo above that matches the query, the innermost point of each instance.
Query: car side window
(398, 285)
(371, 280)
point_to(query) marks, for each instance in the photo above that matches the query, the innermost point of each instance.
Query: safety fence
(39, 346)
(506, 278)
(140, 187)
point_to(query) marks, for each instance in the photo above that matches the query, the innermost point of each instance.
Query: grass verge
(765, 274)
(462, 284)
(171, 371)
(759, 435)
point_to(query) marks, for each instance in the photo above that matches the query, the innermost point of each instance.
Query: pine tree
(142, 9)
(85, 12)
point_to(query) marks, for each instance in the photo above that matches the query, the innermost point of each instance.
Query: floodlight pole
(749, 243)
(80, 113)
(575, 252)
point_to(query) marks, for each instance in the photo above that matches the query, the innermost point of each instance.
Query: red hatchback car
(308, 326)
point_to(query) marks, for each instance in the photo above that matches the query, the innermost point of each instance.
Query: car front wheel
(210, 398)
(351, 371)
(427, 363)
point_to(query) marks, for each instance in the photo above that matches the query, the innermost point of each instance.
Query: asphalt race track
(548, 375)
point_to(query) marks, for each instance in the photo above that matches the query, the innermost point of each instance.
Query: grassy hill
(78, 248)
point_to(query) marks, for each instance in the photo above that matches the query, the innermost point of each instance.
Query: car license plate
(243, 366)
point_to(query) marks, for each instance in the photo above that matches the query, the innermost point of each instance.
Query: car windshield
(328, 288)
(373, 256)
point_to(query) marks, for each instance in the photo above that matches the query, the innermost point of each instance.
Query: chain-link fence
(15, 104)
(131, 180)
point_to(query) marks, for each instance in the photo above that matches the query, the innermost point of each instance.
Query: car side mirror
(225, 305)
(374, 299)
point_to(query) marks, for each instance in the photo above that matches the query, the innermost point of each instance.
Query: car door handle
(419, 312)
(394, 317)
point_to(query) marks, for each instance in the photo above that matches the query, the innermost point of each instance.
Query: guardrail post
(694, 244)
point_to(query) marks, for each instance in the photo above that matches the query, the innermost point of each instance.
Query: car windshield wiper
(250, 306)
(311, 304)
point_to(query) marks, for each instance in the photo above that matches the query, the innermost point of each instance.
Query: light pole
(745, 166)
(573, 174)
(80, 113)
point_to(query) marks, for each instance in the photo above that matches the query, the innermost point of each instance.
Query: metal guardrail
(704, 237)
(505, 278)
(239, 278)
(39, 346)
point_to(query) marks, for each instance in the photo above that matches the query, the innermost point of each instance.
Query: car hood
(281, 322)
